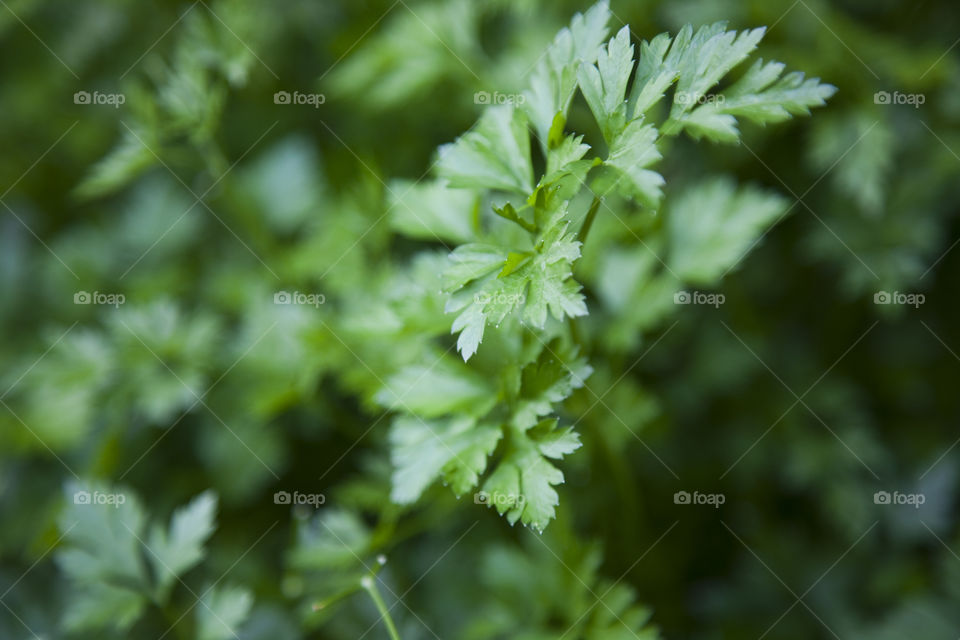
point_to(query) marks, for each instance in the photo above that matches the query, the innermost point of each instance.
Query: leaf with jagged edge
(554, 79)
(604, 85)
(521, 487)
(713, 224)
(547, 382)
(455, 450)
(710, 55)
(102, 558)
(626, 171)
(494, 155)
(760, 96)
(541, 284)
(172, 552)
(222, 611)
(435, 389)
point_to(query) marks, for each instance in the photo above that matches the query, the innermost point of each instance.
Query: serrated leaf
(565, 159)
(632, 151)
(711, 54)
(495, 155)
(172, 552)
(471, 261)
(652, 77)
(102, 606)
(604, 86)
(521, 487)
(554, 79)
(121, 165)
(713, 224)
(423, 451)
(102, 558)
(540, 285)
(546, 383)
(437, 389)
(221, 611)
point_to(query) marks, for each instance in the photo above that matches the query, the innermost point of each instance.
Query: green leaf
(495, 155)
(710, 55)
(554, 79)
(421, 452)
(471, 261)
(221, 611)
(545, 383)
(102, 558)
(631, 152)
(105, 544)
(172, 552)
(565, 159)
(120, 166)
(760, 96)
(508, 212)
(605, 85)
(653, 75)
(432, 211)
(521, 487)
(98, 605)
(712, 225)
(541, 284)
(437, 389)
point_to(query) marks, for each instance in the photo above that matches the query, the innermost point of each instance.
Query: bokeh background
(200, 196)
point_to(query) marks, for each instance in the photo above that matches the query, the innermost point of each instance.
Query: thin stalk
(588, 220)
(369, 583)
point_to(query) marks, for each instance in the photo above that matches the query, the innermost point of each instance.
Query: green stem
(588, 220)
(369, 583)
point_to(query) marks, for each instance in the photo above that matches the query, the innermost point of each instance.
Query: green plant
(518, 275)
(309, 372)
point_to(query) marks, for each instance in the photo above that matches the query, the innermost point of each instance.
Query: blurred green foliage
(200, 401)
